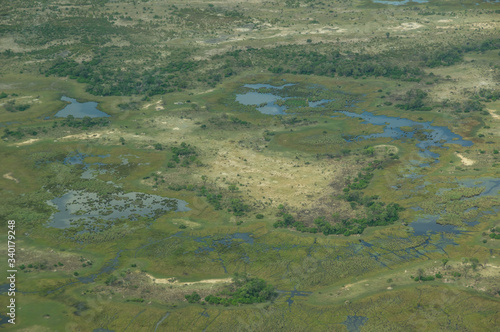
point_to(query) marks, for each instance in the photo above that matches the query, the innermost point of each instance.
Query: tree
(369, 151)
(122, 140)
(193, 298)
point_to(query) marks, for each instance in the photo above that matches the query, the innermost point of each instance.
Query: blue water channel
(427, 135)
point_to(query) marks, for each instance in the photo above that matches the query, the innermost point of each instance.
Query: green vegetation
(247, 290)
(323, 219)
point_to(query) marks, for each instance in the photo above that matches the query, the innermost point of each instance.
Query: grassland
(168, 74)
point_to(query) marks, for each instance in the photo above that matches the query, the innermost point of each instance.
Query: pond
(491, 186)
(88, 207)
(354, 323)
(428, 225)
(266, 102)
(427, 135)
(80, 110)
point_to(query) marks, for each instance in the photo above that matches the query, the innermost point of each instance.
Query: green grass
(303, 165)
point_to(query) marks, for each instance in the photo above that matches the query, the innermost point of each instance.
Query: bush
(193, 298)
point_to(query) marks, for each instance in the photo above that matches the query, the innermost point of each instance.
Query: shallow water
(78, 158)
(270, 99)
(80, 110)
(491, 186)
(257, 98)
(292, 294)
(428, 137)
(354, 323)
(4, 319)
(88, 207)
(427, 225)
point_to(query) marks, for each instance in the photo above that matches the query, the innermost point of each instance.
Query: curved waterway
(427, 135)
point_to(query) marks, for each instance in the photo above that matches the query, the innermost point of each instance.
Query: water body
(5, 124)
(398, 3)
(491, 186)
(80, 110)
(161, 321)
(427, 135)
(78, 158)
(4, 319)
(257, 98)
(354, 323)
(109, 267)
(89, 207)
(293, 293)
(427, 225)
(266, 102)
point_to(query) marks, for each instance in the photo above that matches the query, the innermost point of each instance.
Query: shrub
(193, 298)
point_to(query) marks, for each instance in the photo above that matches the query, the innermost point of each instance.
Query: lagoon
(80, 110)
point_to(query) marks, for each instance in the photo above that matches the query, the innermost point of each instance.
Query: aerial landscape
(291, 165)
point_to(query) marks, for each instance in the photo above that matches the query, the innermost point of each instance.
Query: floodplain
(252, 166)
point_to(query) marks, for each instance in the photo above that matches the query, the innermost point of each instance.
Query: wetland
(252, 166)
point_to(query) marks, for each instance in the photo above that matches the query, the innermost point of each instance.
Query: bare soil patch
(9, 176)
(28, 142)
(173, 281)
(466, 161)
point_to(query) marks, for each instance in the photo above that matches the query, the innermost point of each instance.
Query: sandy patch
(158, 105)
(271, 179)
(9, 176)
(466, 161)
(387, 148)
(123, 23)
(408, 26)
(200, 93)
(188, 223)
(30, 141)
(173, 281)
(484, 25)
(493, 114)
(83, 136)
(445, 21)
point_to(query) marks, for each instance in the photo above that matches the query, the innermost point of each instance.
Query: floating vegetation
(428, 136)
(294, 98)
(78, 207)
